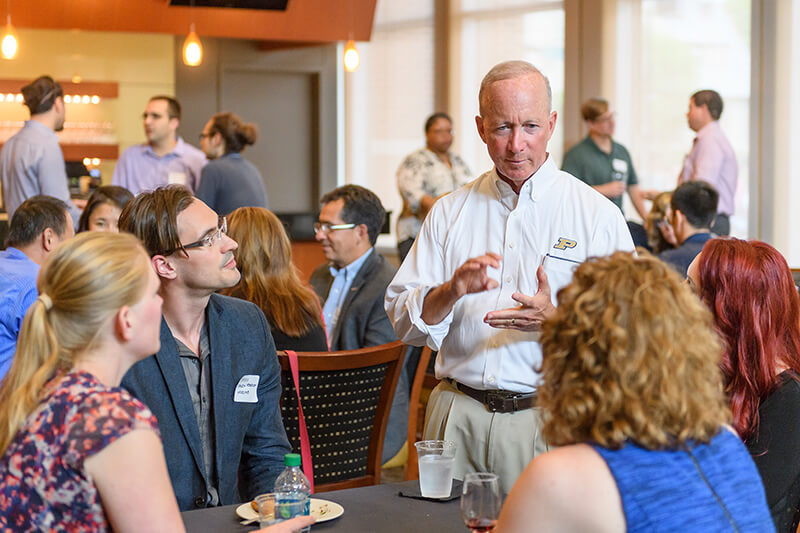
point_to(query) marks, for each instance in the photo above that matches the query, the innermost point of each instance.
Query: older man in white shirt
(484, 271)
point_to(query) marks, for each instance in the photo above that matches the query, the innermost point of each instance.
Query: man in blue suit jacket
(214, 385)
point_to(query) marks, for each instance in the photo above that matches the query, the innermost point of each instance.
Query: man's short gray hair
(509, 70)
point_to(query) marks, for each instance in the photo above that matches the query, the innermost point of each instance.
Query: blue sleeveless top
(712, 487)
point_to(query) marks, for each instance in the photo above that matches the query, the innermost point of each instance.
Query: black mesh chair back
(346, 398)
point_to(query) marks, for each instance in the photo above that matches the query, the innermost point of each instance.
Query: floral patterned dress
(43, 483)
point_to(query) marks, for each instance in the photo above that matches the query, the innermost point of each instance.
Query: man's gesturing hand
(532, 312)
(469, 278)
(472, 277)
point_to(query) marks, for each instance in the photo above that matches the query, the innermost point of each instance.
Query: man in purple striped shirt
(711, 158)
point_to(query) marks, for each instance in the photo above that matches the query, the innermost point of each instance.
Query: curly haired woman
(633, 395)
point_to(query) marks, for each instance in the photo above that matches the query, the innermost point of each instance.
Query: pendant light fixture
(8, 44)
(192, 48)
(351, 57)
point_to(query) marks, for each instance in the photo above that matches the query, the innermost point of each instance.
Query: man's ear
(363, 232)
(49, 239)
(163, 267)
(479, 124)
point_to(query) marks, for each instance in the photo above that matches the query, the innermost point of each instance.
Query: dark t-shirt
(231, 182)
(587, 162)
(776, 451)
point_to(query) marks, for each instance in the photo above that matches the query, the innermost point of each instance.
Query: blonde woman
(269, 280)
(77, 452)
(634, 398)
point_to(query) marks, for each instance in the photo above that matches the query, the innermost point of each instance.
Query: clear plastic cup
(436, 461)
(265, 505)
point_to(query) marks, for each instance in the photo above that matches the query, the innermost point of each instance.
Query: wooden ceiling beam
(317, 21)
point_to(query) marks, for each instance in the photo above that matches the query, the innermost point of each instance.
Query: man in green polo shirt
(602, 163)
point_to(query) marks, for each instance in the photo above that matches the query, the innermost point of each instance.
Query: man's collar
(353, 268)
(178, 149)
(707, 129)
(533, 187)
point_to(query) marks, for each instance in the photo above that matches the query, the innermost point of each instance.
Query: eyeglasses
(208, 241)
(212, 238)
(324, 227)
(204, 135)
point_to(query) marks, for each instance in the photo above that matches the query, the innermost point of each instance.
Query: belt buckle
(495, 401)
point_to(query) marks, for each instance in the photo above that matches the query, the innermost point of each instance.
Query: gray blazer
(362, 320)
(250, 439)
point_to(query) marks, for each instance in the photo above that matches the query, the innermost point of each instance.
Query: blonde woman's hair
(630, 354)
(82, 285)
(269, 278)
(658, 213)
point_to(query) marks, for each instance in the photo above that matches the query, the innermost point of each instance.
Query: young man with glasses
(601, 162)
(352, 285)
(165, 158)
(214, 384)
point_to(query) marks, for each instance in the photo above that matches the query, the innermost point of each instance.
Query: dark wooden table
(377, 508)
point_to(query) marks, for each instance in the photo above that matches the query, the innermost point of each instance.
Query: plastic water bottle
(293, 481)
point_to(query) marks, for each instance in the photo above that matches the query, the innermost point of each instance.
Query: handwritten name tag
(176, 177)
(247, 389)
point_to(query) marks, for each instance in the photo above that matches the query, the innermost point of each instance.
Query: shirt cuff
(433, 333)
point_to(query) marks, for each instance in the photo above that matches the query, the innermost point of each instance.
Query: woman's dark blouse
(776, 451)
(44, 485)
(314, 341)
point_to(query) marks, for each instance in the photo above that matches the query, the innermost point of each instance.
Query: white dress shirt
(556, 220)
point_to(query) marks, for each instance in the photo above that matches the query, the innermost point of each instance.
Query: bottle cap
(291, 459)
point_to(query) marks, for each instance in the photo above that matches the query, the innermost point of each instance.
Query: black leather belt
(499, 401)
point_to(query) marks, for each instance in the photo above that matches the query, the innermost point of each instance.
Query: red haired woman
(749, 288)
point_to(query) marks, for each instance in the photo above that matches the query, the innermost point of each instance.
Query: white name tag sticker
(620, 165)
(247, 389)
(176, 177)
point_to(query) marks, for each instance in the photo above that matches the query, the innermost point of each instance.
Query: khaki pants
(502, 443)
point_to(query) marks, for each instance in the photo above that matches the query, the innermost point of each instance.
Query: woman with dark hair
(749, 288)
(229, 181)
(103, 209)
(269, 280)
(632, 393)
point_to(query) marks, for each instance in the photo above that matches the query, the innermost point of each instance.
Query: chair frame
(391, 354)
(421, 378)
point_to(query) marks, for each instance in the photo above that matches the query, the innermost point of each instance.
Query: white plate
(322, 510)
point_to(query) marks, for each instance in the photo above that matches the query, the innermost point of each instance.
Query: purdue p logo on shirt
(563, 244)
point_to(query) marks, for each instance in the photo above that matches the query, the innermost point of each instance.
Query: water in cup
(435, 475)
(436, 461)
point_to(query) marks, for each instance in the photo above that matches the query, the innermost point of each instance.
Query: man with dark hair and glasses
(31, 161)
(214, 384)
(165, 158)
(352, 284)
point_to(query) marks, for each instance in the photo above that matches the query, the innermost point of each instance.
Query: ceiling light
(9, 41)
(351, 57)
(192, 49)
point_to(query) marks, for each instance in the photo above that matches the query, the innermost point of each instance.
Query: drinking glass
(265, 504)
(480, 501)
(436, 461)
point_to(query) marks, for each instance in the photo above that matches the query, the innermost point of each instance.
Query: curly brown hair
(630, 354)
